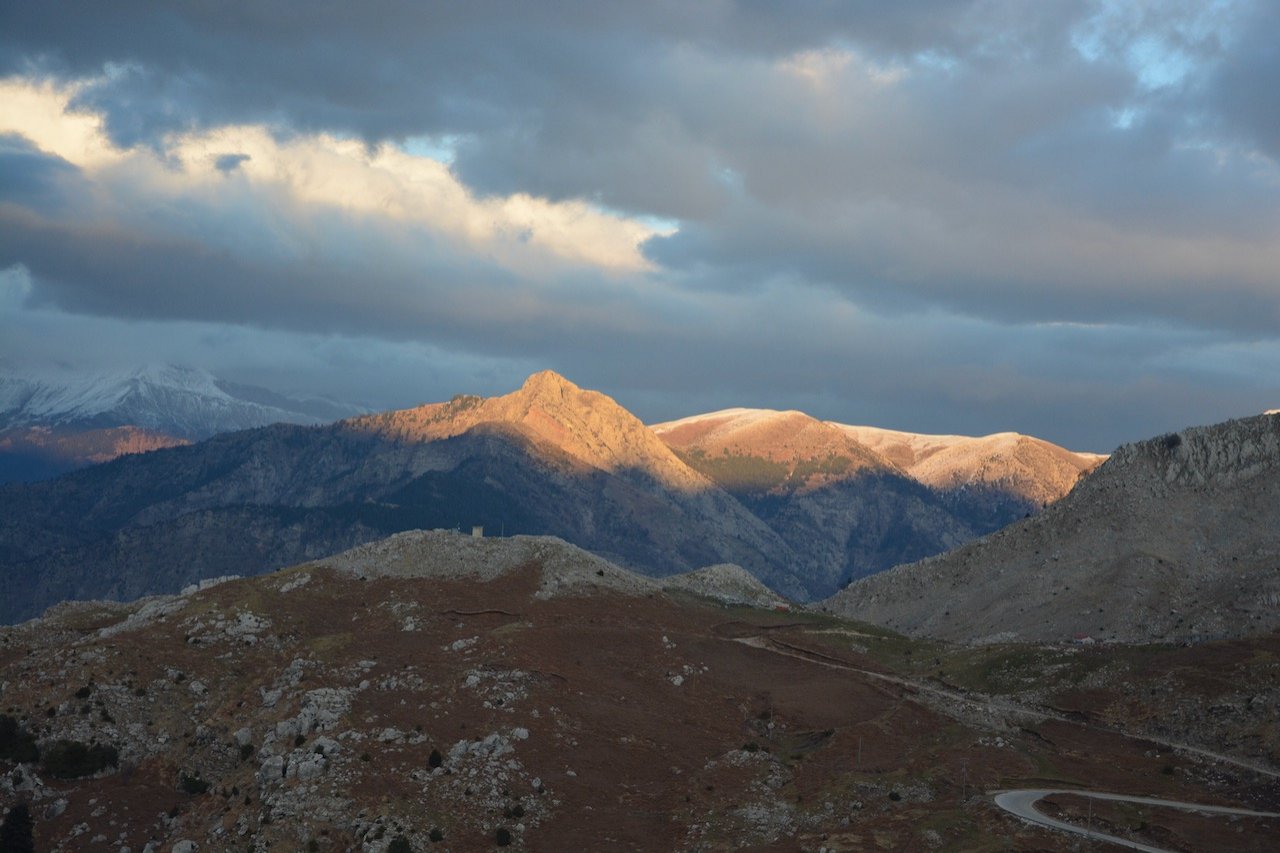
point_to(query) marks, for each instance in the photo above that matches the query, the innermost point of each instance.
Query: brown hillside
(523, 689)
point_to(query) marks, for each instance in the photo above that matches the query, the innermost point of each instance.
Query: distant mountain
(1021, 464)
(988, 480)
(864, 498)
(796, 502)
(1173, 538)
(39, 453)
(846, 510)
(60, 421)
(547, 459)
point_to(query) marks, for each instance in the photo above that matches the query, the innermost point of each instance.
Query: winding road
(1023, 804)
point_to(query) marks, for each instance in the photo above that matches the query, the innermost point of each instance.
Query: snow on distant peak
(733, 418)
(179, 401)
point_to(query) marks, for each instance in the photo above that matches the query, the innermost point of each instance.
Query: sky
(1060, 217)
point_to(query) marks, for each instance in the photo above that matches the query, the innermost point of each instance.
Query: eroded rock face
(1173, 538)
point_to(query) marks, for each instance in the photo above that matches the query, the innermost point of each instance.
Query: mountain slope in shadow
(547, 459)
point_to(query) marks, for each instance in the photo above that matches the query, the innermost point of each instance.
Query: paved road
(1023, 804)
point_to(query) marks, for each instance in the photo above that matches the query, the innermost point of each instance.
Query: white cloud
(305, 175)
(39, 111)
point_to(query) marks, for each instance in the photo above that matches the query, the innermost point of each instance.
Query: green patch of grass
(830, 465)
(330, 647)
(737, 473)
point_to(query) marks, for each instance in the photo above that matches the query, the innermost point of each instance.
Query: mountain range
(59, 420)
(858, 500)
(800, 504)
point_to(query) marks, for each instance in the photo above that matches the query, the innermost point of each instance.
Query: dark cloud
(227, 163)
(962, 216)
(31, 177)
(1242, 90)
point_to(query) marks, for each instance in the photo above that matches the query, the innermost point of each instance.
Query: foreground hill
(547, 459)
(59, 421)
(434, 691)
(1173, 538)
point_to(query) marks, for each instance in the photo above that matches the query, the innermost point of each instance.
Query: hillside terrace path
(1021, 803)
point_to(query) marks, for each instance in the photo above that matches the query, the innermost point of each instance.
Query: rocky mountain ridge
(1173, 538)
(277, 495)
(813, 508)
(587, 425)
(866, 499)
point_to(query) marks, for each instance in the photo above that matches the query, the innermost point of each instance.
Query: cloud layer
(1061, 217)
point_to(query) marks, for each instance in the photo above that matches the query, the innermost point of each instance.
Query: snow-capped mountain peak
(180, 401)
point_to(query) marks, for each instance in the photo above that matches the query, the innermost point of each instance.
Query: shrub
(193, 784)
(399, 844)
(895, 796)
(435, 759)
(16, 743)
(69, 759)
(436, 834)
(313, 846)
(246, 750)
(502, 837)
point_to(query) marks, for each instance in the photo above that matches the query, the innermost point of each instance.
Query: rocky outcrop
(728, 584)
(446, 554)
(1174, 538)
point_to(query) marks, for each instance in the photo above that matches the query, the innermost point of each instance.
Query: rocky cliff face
(1173, 538)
